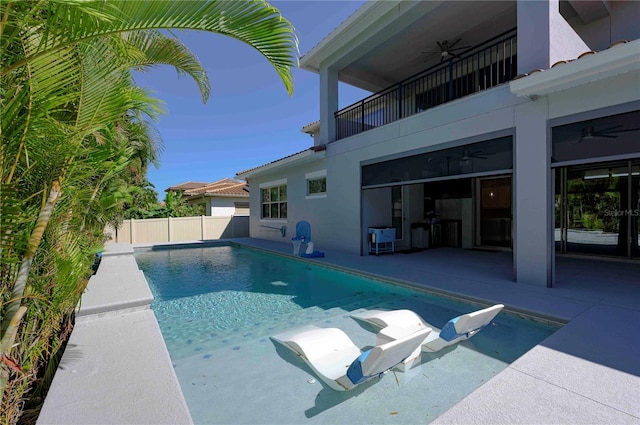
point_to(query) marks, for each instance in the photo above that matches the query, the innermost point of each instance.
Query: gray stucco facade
(571, 89)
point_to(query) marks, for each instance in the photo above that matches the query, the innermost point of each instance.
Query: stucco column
(533, 254)
(328, 105)
(544, 36)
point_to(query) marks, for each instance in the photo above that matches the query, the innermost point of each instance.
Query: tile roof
(311, 128)
(224, 187)
(562, 62)
(273, 162)
(185, 186)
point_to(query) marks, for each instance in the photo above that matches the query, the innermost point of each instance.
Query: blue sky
(249, 119)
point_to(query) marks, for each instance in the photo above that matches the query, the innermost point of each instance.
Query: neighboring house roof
(312, 153)
(620, 58)
(220, 188)
(185, 186)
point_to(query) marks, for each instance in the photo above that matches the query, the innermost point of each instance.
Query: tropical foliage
(76, 140)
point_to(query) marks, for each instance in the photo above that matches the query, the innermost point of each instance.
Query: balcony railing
(482, 67)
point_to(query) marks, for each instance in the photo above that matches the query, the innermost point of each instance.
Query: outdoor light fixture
(465, 160)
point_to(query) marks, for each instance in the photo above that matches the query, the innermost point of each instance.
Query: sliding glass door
(635, 212)
(495, 212)
(597, 209)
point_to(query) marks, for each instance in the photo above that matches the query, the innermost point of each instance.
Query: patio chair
(338, 362)
(303, 236)
(455, 330)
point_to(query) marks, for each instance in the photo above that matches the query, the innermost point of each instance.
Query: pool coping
(587, 372)
(116, 368)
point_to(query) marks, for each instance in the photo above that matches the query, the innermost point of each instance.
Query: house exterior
(222, 198)
(504, 125)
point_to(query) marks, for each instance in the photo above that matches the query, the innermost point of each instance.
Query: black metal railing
(482, 67)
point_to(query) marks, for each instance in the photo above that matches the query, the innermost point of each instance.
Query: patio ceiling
(390, 48)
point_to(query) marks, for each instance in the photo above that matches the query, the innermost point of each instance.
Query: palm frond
(253, 22)
(155, 48)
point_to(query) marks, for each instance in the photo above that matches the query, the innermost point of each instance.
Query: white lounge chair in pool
(391, 323)
(339, 363)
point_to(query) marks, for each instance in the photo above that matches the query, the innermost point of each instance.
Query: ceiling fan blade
(480, 154)
(454, 43)
(608, 130)
(596, 136)
(626, 130)
(459, 48)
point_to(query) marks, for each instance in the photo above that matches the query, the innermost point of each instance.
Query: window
(316, 184)
(274, 200)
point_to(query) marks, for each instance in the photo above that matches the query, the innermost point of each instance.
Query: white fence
(179, 229)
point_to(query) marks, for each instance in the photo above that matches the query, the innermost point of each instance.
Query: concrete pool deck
(587, 372)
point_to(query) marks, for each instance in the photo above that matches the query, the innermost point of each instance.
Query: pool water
(217, 307)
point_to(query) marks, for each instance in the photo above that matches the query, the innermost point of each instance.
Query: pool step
(206, 325)
(208, 340)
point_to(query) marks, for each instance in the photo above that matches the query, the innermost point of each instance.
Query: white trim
(273, 220)
(316, 174)
(316, 196)
(614, 61)
(273, 183)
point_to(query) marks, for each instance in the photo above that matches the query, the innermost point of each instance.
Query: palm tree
(65, 88)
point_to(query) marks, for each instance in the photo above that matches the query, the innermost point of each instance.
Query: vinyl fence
(156, 230)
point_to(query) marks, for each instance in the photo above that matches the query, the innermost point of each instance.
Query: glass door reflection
(596, 210)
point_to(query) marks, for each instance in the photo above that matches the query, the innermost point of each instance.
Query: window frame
(315, 175)
(274, 188)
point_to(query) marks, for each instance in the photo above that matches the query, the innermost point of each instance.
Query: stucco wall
(299, 207)
(621, 24)
(481, 116)
(544, 36)
(600, 94)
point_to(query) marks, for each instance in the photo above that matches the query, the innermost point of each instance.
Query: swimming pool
(217, 307)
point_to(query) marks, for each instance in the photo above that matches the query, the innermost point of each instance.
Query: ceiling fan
(448, 51)
(468, 155)
(589, 132)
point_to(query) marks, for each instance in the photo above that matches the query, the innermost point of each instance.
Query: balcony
(487, 65)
